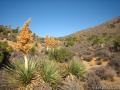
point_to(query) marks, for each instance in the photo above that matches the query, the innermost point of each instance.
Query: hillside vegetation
(85, 60)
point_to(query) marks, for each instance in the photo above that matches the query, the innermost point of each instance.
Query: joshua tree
(25, 41)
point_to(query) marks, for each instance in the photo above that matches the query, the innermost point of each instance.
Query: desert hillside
(85, 60)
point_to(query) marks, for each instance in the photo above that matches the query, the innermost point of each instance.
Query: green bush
(60, 55)
(76, 68)
(3, 45)
(15, 30)
(116, 45)
(5, 51)
(69, 41)
(50, 72)
(99, 39)
(33, 51)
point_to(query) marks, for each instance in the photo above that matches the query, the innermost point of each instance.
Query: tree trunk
(26, 62)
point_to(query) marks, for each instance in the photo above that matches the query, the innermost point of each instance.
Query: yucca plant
(60, 55)
(50, 72)
(76, 68)
(18, 76)
(51, 42)
(25, 41)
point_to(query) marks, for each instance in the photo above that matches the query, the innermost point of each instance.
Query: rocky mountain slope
(89, 40)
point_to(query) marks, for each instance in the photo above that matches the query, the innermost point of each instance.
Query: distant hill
(111, 26)
(95, 40)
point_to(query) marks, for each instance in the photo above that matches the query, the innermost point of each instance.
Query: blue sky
(58, 17)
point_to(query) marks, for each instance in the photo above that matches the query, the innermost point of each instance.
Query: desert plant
(25, 41)
(50, 72)
(18, 76)
(71, 83)
(105, 73)
(60, 55)
(115, 64)
(99, 40)
(5, 52)
(69, 41)
(76, 68)
(50, 42)
(92, 82)
(116, 45)
(33, 51)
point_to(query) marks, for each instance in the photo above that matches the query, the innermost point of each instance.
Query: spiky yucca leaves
(60, 55)
(50, 72)
(18, 76)
(76, 68)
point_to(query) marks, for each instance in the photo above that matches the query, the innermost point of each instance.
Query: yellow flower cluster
(25, 39)
(51, 42)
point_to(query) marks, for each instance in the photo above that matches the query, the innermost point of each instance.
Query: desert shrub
(1, 57)
(99, 40)
(111, 26)
(103, 53)
(70, 83)
(2, 28)
(15, 30)
(5, 47)
(115, 64)
(33, 51)
(5, 52)
(18, 76)
(105, 73)
(50, 72)
(92, 82)
(60, 55)
(116, 45)
(109, 85)
(69, 41)
(76, 68)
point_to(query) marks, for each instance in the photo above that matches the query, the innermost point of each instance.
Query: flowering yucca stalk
(47, 40)
(51, 42)
(25, 41)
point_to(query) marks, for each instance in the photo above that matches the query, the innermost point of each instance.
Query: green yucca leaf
(76, 68)
(18, 75)
(50, 72)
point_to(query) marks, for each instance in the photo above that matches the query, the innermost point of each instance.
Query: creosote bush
(60, 55)
(76, 68)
